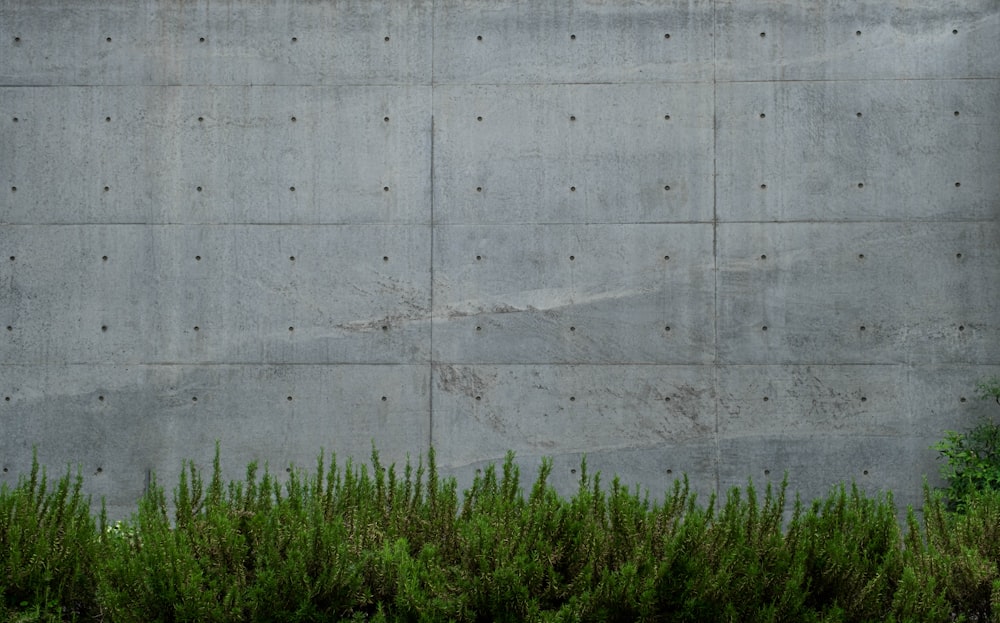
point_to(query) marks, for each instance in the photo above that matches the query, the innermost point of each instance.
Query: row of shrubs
(370, 543)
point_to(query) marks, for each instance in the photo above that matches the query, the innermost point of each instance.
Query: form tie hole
(479, 118)
(479, 328)
(291, 258)
(199, 189)
(767, 472)
(763, 116)
(479, 397)
(572, 117)
(104, 327)
(197, 258)
(17, 40)
(100, 469)
(291, 188)
(858, 115)
(763, 34)
(385, 189)
(16, 119)
(387, 38)
(479, 189)
(667, 329)
(572, 189)
(10, 328)
(865, 472)
(107, 188)
(666, 36)
(572, 258)
(197, 328)
(763, 257)
(108, 39)
(201, 39)
(385, 258)
(572, 398)
(763, 186)
(386, 119)
(956, 114)
(958, 255)
(957, 184)
(479, 257)
(572, 37)
(667, 399)
(858, 33)
(384, 399)
(666, 258)
(572, 328)
(861, 256)
(290, 329)
(764, 328)
(666, 117)
(862, 328)
(289, 398)
(385, 327)
(13, 189)
(101, 398)
(962, 399)
(864, 399)
(194, 399)
(479, 37)
(766, 398)
(961, 327)
(861, 185)
(954, 32)
(12, 258)
(666, 188)
(295, 39)
(294, 119)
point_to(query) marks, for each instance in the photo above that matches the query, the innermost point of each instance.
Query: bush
(972, 459)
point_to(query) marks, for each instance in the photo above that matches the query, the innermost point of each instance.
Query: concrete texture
(558, 228)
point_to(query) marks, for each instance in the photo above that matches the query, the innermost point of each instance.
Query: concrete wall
(727, 238)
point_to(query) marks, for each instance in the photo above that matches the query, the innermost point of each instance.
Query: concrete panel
(631, 417)
(833, 151)
(118, 423)
(850, 40)
(221, 294)
(216, 155)
(816, 462)
(49, 42)
(858, 293)
(572, 294)
(573, 154)
(531, 41)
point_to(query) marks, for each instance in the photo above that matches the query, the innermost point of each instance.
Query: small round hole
(385, 327)
(291, 258)
(667, 329)
(572, 398)
(479, 189)
(107, 188)
(572, 189)
(13, 189)
(17, 40)
(861, 185)
(666, 117)
(479, 257)
(201, 119)
(572, 258)
(767, 472)
(958, 255)
(954, 32)
(194, 399)
(864, 399)
(763, 116)
(764, 328)
(766, 398)
(288, 398)
(104, 327)
(387, 38)
(763, 257)
(962, 399)
(107, 119)
(295, 39)
(199, 189)
(479, 397)
(100, 398)
(104, 258)
(670, 471)
(479, 118)
(386, 119)
(961, 327)
(108, 39)
(957, 184)
(16, 119)
(197, 258)
(572, 117)
(763, 34)
(197, 328)
(666, 258)
(572, 471)
(858, 115)
(666, 399)
(763, 186)
(291, 189)
(862, 328)
(572, 328)
(384, 399)
(385, 258)
(294, 119)
(666, 36)
(572, 37)
(857, 33)
(201, 39)
(385, 189)
(479, 328)
(666, 188)
(291, 329)
(100, 469)
(861, 256)
(865, 472)
(956, 114)
(479, 37)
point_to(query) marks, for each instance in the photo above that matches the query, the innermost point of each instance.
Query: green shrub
(972, 459)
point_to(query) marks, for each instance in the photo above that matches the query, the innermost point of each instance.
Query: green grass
(370, 542)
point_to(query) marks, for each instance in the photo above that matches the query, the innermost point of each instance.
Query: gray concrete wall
(722, 238)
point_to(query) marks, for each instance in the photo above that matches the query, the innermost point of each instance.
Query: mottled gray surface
(558, 228)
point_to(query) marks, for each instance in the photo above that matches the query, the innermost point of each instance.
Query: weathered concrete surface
(553, 227)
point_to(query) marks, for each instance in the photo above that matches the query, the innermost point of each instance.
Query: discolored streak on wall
(727, 239)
